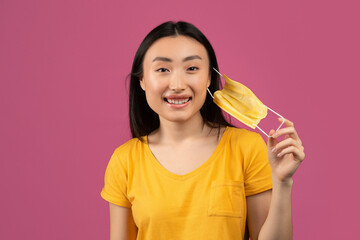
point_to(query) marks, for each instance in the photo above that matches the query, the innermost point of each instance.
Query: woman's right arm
(122, 225)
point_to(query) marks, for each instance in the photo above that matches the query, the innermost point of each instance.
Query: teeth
(178, 101)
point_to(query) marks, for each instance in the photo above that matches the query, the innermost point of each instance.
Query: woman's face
(176, 75)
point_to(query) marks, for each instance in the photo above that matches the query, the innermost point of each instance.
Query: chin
(176, 119)
(179, 118)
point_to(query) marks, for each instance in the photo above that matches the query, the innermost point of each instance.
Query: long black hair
(143, 120)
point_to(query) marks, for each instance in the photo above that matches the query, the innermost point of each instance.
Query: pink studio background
(64, 105)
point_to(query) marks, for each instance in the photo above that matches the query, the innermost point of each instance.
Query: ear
(209, 82)
(142, 83)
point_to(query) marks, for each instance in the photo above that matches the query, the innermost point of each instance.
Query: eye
(193, 68)
(162, 70)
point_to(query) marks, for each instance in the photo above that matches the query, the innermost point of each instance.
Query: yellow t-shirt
(207, 203)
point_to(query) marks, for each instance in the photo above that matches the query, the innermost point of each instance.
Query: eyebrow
(165, 59)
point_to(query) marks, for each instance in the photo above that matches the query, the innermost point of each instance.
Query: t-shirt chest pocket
(227, 198)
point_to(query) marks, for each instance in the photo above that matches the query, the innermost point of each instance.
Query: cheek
(201, 82)
(153, 101)
(155, 82)
(154, 92)
(154, 88)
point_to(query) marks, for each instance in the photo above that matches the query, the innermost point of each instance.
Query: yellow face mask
(241, 103)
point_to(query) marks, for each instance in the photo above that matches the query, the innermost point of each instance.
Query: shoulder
(124, 156)
(246, 140)
(127, 153)
(242, 135)
(129, 147)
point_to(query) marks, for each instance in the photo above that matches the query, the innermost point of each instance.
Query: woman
(187, 173)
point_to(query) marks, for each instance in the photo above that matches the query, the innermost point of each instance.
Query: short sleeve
(258, 171)
(115, 182)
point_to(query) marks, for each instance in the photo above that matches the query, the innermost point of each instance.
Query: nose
(177, 82)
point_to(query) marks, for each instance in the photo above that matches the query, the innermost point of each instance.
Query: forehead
(176, 48)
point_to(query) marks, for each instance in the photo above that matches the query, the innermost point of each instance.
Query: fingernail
(279, 155)
(273, 150)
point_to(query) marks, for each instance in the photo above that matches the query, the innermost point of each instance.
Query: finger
(286, 143)
(283, 131)
(287, 131)
(299, 155)
(287, 122)
(271, 142)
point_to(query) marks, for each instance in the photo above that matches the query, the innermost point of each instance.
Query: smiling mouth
(177, 101)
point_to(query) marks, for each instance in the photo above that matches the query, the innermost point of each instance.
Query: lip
(177, 96)
(178, 106)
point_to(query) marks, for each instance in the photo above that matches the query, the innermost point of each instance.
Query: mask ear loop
(210, 93)
(283, 119)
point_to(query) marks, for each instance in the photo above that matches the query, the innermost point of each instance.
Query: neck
(180, 132)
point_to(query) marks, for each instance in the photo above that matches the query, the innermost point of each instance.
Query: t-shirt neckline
(195, 172)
